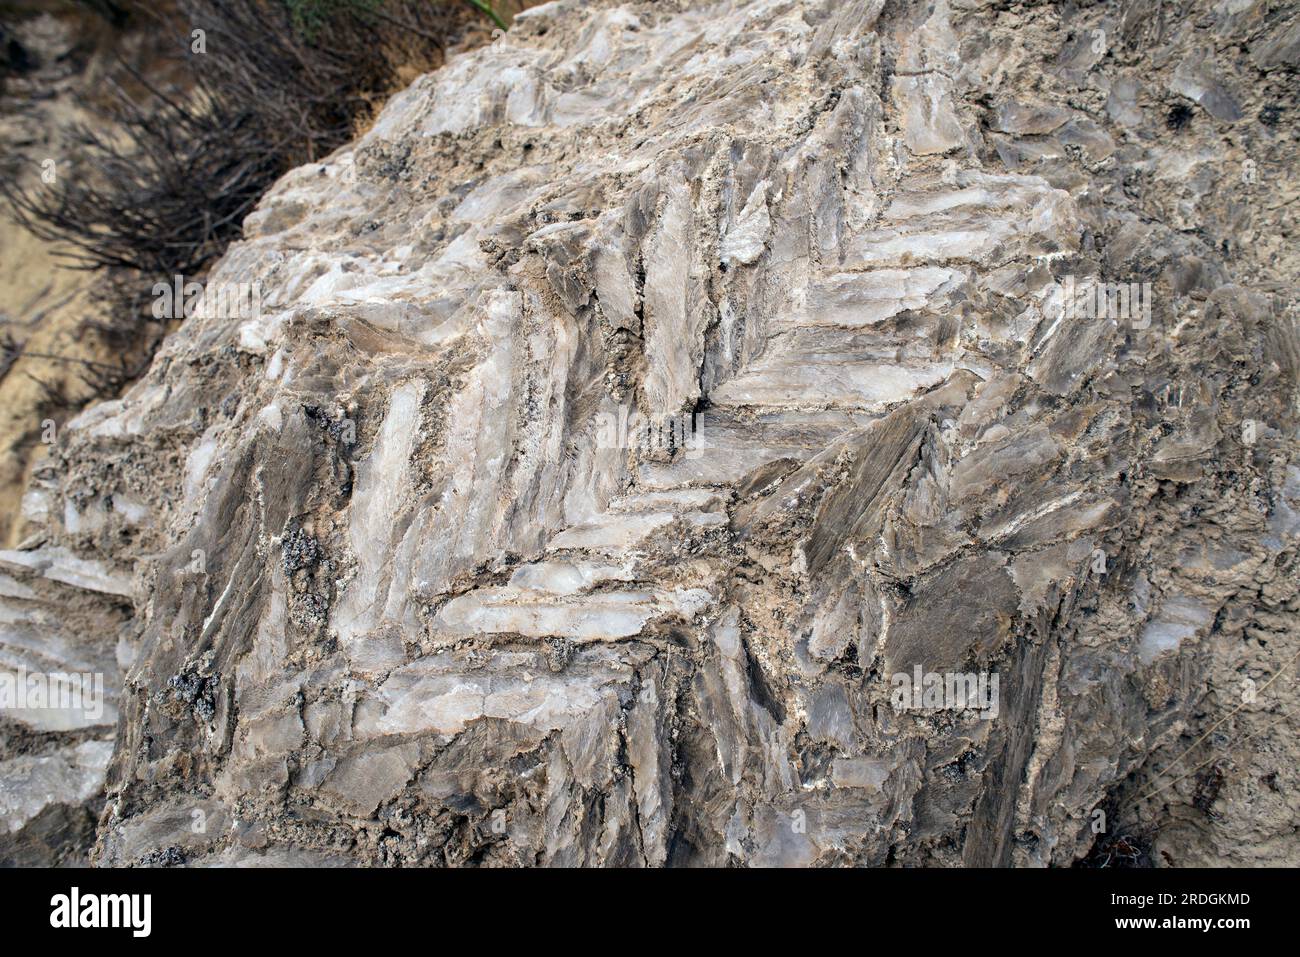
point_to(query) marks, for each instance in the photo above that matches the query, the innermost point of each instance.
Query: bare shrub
(162, 184)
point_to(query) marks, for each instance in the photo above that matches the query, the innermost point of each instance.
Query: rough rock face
(647, 396)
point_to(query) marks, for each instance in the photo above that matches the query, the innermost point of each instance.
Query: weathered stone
(439, 572)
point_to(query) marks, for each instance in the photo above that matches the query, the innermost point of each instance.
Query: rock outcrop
(647, 399)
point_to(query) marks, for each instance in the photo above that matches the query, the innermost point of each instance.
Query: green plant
(486, 8)
(309, 16)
